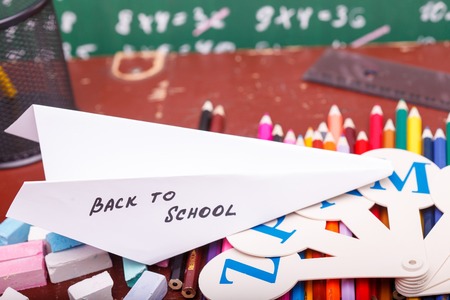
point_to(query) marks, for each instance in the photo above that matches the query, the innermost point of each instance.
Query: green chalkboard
(102, 27)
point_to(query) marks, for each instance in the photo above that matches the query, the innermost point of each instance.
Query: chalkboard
(103, 27)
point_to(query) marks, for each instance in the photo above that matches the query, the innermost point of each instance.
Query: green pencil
(401, 114)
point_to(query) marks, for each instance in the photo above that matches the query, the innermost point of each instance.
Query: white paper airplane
(148, 191)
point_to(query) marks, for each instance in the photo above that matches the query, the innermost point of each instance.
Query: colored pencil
(342, 145)
(427, 143)
(350, 133)
(333, 286)
(414, 131)
(329, 143)
(205, 116)
(401, 114)
(362, 286)
(218, 119)
(177, 271)
(389, 134)
(317, 141)
(226, 245)
(440, 148)
(362, 143)
(6, 85)
(348, 284)
(447, 130)
(428, 152)
(191, 272)
(298, 291)
(439, 155)
(309, 137)
(323, 129)
(334, 122)
(290, 137)
(300, 141)
(265, 128)
(277, 133)
(376, 127)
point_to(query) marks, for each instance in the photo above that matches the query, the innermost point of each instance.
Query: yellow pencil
(309, 137)
(414, 131)
(6, 85)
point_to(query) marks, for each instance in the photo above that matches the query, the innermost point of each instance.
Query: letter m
(421, 179)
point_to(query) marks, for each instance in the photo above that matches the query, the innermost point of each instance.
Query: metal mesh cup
(32, 71)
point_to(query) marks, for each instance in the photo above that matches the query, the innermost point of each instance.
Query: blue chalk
(132, 271)
(151, 286)
(59, 242)
(13, 232)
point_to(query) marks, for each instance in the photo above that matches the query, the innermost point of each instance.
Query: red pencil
(362, 143)
(376, 128)
(218, 119)
(317, 140)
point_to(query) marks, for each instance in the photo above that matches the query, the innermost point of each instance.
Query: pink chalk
(22, 266)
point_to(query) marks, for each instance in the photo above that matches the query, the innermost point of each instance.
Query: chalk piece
(13, 232)
(97, 287)
(76, 262)
(150, 286)
(37, 233)
(22, 266)
(132, 271)
(12, 294)
(59, 242)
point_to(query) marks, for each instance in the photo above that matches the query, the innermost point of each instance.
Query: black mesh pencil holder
(32, 71)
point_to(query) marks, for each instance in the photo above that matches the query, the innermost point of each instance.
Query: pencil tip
(219, 110)
(376, 110)
(207, 105)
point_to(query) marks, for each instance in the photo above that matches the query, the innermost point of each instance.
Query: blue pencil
(427, 150)
(298, 291)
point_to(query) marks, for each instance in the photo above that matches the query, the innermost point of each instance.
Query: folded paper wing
(148, 191)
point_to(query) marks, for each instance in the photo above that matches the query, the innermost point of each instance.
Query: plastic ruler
(383, 78)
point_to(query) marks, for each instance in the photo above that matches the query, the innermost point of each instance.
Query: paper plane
(148, 191)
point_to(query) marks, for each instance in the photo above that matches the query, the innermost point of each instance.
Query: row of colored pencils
(337, 134)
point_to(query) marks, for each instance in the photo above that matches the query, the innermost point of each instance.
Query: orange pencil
(329, 143)
(389, 134)
(335, 122)
(333, 286)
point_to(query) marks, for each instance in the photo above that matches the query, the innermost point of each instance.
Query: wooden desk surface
(247, 83)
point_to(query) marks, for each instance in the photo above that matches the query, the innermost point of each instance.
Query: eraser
(59, 242)
(76, 262)
(94, 288)
(13, 232)
(132, 271)
(22, 266)
(12, 294)
(150, 286)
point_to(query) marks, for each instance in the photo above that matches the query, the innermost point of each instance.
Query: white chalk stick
(37, 233)
(76, 262)
(150, 286)
(12, 294)
(97, 287)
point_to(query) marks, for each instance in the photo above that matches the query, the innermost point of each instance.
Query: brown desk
(246, 83)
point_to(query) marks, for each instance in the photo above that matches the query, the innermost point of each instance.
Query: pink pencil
(335, 122)
(265, 128)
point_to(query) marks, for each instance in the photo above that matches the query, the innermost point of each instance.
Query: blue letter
(273, 231)
(249, 270)
(421, 178)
